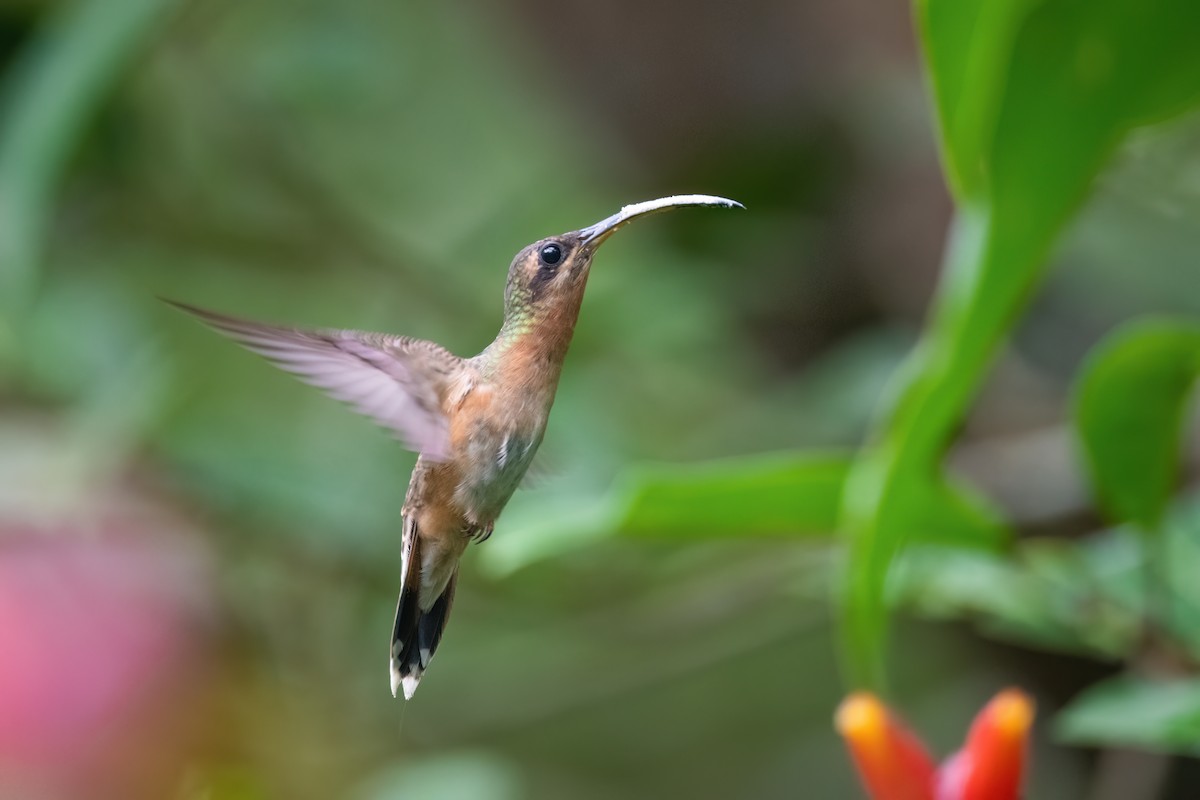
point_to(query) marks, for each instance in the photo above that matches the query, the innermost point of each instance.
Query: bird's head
(547, 278)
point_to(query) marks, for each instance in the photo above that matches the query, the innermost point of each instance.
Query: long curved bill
(593, 235)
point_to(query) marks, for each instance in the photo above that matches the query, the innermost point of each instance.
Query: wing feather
(397, 381)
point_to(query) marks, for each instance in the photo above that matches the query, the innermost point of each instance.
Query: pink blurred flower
(97, 642)
(894, 765)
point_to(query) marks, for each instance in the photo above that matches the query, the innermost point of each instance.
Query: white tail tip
(407, 683)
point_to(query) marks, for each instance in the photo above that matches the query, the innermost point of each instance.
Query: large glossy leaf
(1131, 711)
(967, 47)
(1129, 408)
(1034, 93)
(1032, 99)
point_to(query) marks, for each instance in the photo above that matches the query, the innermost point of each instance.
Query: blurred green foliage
(1031, 100)
(1087, 598)
(654, 630)
(1153, 714)
(47, 107)
(1131, 407)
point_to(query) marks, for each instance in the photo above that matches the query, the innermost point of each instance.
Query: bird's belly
(491, 469)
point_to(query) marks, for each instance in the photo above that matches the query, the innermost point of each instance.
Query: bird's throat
(533, 343)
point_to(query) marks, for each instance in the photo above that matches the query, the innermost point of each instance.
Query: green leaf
(1180, 549)
(1052, 596)
(1130, 404)
(775, 495)
(1086, 596)
(967, 45)
(962, 585)
(778, 495)
(1081, 76)
(1033, 95)
(1032, 99)
(541, 528)
(1130, 711)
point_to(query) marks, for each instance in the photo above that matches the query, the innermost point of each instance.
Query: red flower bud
(991, 764)
(894, 765)
(891, 760)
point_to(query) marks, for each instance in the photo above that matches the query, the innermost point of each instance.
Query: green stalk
(977, 302)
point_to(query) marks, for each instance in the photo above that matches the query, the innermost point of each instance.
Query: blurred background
(199, 557)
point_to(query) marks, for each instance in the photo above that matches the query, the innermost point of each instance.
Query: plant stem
(977, 301)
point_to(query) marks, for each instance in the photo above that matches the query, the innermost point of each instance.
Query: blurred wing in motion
(397, 381)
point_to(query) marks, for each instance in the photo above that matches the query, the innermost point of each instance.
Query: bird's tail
(416, 631)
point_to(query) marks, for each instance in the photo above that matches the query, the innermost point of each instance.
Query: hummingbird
(475, 422)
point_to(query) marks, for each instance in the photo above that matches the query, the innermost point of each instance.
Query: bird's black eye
(551, 254)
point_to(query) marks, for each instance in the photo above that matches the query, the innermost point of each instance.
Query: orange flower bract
(894, 764)
(891, 760)
(995, 750)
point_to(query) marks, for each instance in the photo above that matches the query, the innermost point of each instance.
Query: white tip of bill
(595, 234)
(675, 201)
